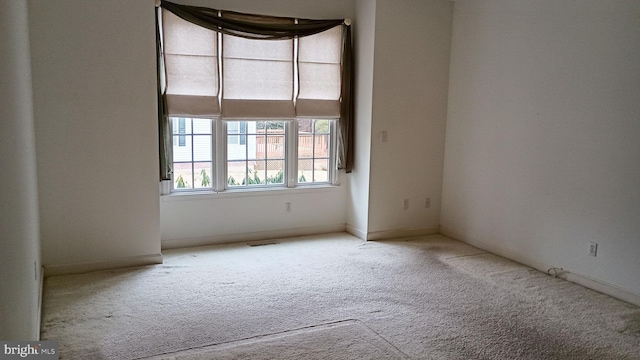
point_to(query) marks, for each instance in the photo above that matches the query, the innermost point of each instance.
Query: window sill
(243, 193)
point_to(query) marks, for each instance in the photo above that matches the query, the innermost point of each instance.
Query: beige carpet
(423, 298)
(337, 341)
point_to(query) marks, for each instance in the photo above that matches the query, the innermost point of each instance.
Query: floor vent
(262, 243)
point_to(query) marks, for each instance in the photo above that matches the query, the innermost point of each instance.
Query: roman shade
(257, 78)
(191, 63)
(319, 59)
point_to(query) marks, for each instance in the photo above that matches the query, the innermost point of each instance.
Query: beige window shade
(191, 63)
(319, 74)
(257, 78)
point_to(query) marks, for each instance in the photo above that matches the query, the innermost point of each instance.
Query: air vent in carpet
(262, 243)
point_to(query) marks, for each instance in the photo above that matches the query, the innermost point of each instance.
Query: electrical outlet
(593, 248)
(405, 204)
(427, 203)
(288, 206)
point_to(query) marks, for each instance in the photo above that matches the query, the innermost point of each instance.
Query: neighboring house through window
(181, 131)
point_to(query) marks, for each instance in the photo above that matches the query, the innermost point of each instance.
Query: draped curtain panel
(264, 75)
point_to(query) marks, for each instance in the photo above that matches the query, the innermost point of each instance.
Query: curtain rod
(347, 21)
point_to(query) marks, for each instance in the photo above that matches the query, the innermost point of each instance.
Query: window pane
(256, 174)
(274, 127)
(202, 126)
(181, 130)
(232, 127)
(314, 151)
(275, 147)
(320, 170)
(182, 152)
(236, 172)
(202, 147)
(305, 171)
(305, 146)
(321, 146)
(235, 149)
(305, 126)
(261, 146)
(192, 153)
(182, 176)
(237, 144)
(275, 172)
(322, 127)
(181, 125)
(202, 175)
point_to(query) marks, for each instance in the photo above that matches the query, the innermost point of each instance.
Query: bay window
(251, 100)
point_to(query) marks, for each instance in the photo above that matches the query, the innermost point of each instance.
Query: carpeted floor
(335, 297)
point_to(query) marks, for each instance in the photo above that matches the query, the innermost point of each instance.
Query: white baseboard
(40, 294)
(251, 236)
(402, 233)
(538, 264)
(125, 262)
(356, 232)
(391, 234)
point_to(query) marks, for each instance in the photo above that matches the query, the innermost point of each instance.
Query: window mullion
(313, 150)
(220, 155)
(291, 147)
(193, 158)
(333, 153)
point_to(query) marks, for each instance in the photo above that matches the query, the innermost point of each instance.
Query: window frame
(219, 159)
(175, 123)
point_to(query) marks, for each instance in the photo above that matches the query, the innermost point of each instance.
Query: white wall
(543, 134)
(194, 219)
(189, 220)
(410, 86)
(96, 129)
(358, 181)
(19, 233)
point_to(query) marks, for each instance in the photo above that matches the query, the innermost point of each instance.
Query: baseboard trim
(40, 294)
(78, 268)
(402, 233)
(356, 232)
(250, 236)
(593, 284)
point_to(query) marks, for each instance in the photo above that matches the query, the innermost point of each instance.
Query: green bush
(206, 180)
(276, 179)
(181, 184)
(255, 180)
